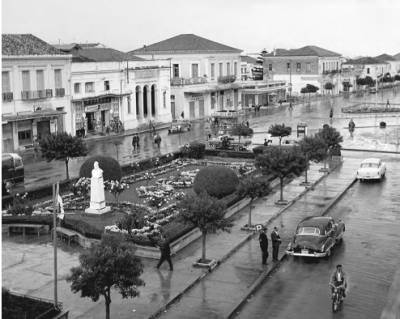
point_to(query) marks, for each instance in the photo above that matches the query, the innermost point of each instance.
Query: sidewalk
(27, 267)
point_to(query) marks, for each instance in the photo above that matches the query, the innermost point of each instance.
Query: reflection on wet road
(370, 254)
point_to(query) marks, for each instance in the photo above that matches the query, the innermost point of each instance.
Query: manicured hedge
(226, 153)
(217, 181)
(111, 168)
(194, 150)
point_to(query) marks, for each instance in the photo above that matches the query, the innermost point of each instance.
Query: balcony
(60, 92)
(36, 95)
(188, 81)
(8, 96)
(227, 79)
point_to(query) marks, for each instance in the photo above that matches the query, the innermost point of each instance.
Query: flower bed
(370, 108)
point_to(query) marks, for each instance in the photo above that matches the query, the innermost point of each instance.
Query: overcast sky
(350, 27)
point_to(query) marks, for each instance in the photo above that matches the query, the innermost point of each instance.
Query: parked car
(371, 168)
(12, 168)
(179, 126)
(315, 237)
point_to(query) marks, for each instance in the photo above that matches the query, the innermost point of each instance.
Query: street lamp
(290, 84)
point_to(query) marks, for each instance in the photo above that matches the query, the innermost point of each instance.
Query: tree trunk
(66, 168)
(107, 302)
(203, 248)
(281, 178)
(249, 221)
(280, 140)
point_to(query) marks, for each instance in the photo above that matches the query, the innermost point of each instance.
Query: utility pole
(55, 210)
(290, 84)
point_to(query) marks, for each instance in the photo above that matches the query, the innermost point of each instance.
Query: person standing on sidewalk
(157, 140)
(165, 253)
(276, 241)
(137, 141)
(134, 142)
(263, 239)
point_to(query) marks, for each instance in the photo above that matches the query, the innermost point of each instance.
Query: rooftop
(309, 50)
(364, 60)
(185, 43)
(248, 59)
(26, 44)
(397, 56)
(385, 57)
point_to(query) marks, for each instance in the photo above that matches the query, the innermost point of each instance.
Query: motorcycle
(337, 297)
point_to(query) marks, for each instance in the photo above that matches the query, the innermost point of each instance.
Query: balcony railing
(227, 79)
(60, 92)
(8, 96)
(35, 95)
(188, 81)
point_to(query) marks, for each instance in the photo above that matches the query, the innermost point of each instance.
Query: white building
(110, 87)
(394, 65)
(204, 74)
(35, 91)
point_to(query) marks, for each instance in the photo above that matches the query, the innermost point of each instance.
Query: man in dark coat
(276, 241)
(263, 239)
(165, 253)
(134, 142)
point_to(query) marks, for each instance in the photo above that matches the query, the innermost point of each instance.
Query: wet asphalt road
(370, 254)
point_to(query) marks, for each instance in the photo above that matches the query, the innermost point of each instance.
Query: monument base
(100, 211)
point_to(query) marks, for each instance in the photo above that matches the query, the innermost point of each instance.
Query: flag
(60, 202)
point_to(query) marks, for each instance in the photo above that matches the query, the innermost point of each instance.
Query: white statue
(97, 198)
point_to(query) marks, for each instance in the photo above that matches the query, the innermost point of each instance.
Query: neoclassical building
(36, 98)
(110, 87)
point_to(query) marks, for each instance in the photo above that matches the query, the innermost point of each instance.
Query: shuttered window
(26, 81)
(39, 80)
(57, 79)
(5, 82)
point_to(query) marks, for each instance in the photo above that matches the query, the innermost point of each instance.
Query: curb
(231, 252)
(370, 151)
(260, 280)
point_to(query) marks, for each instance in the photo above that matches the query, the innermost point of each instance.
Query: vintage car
(179, 126)
(315, 237)
(229, 142)
(371, 168)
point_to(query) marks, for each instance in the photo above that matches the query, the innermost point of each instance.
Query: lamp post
(290, 84)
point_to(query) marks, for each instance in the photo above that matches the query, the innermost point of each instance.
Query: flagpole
(55, 208)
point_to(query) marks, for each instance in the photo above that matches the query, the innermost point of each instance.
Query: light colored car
(371, 168)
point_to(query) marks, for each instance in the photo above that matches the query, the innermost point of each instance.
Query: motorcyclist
(338, 280)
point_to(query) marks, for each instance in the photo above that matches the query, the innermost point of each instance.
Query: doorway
(90, 121)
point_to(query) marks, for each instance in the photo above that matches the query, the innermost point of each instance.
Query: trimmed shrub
(194, 150)
(259, 149)
(217, 181)
(111, 168)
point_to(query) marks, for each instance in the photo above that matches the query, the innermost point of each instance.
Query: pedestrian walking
(276, 241)
(137, 141)
(134, 142)
(331, 114)
(387, 103)
(157, 140)
(263, 239)
(165, 251)
(352, 126)
(247, 124)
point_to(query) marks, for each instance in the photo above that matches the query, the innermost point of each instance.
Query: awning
(21, 116)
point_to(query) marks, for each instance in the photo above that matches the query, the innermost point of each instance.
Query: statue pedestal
(98, 211)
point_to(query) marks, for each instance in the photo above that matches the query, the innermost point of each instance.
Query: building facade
(111, 90)
(204, 74)
(307, 65)
(36, 98)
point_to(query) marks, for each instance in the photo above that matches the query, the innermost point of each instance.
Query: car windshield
(308, 231)
(374, 165)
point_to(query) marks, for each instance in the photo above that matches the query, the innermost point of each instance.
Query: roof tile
(26, 44)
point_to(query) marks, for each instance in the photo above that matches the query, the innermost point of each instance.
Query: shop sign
(98, 107)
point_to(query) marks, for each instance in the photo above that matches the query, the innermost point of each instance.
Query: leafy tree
(281, 162)
(110, 264)
(205, 212)
(252, 187)
(62, 146)
(242, 130)
(135, 219)
(360, 81)
(280, 131)
(397, 77)
(314, 149)
(369, 81)
(110, 166)
(331, 137)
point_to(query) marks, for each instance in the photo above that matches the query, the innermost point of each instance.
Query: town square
(190, 159)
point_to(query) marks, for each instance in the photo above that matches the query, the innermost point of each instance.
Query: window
(175, 70)
(308, 67)
(298, 67)
(165, 99)
(195, 70)
(367, 70)
(89, 87)
(235, 68)
(26, 81)
(220, 73)
(212, 71)
(228, 68)
(39, 80)
(270, 67)
(24, 135)
(5, 82)
(57, 79)
(106, 85)
(77, 88)
(129, 102)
